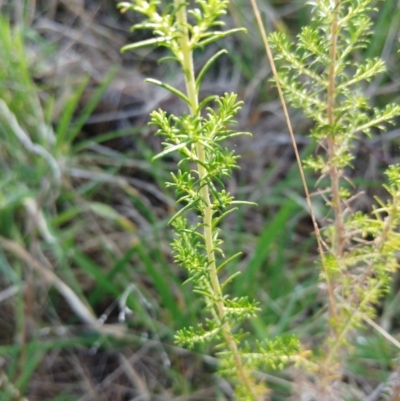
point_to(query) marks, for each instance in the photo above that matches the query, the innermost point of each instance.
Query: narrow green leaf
(217, 220)
(68, 113)
(207, 100)
(214, 36)
(167, 58)
(145, 43)
(221, 138)
(207, 66)
(171, 149)
(269, 234)
(161, 283)
(205, 294)
(229, 260)
(169, 88)
(93, 269)
(84, 144)
(31, 362)
(120, 265)
(91, 105)
(187, 207)
(243, 203)
(229, 279)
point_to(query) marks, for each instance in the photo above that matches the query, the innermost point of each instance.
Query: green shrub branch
(198, 138)
(320, 76)
(190, 81)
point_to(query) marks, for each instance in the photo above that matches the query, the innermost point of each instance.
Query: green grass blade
(119, 266)
(93, 269)
(31, 361)
(161, 283)
(68, 113)
(248, 280)
(91, 105)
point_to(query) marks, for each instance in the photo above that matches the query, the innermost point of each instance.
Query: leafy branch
(198, 137)
(320, 76)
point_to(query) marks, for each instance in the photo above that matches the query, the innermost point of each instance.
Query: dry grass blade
(74, 302)
(81, 310)
(298, 159)
(25, 140)
(380, 330)
(135, 378)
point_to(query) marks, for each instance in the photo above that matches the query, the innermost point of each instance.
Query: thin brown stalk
(332, 304)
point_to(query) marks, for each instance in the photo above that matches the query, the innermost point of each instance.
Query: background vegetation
(90, 298)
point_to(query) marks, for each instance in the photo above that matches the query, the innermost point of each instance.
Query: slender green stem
(334, 172)
(338, 240)
(188, 68)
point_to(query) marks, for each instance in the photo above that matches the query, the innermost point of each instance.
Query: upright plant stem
(188, 69)
(339, 239)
